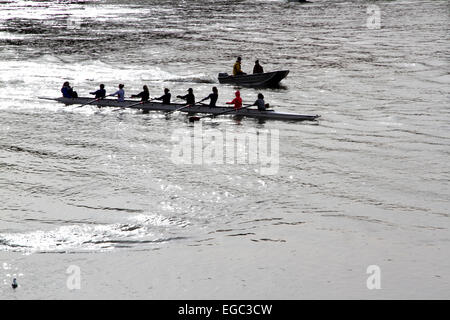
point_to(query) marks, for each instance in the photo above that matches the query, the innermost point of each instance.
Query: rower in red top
(237, 101)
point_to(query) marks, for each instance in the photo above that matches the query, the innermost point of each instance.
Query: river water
(88, 181)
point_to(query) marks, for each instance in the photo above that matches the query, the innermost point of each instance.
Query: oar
(109, 95)
(95, 100)
(184, 107)
(192, 119)
(134, 105)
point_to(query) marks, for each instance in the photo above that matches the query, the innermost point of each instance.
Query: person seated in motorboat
(236, 101)
(257, 68)
(260, 103)
(165, 97)
(190, 98)
(100, 93)
(119, 93)
(67, 91)
(144, 95)
(212, 97)
(237, 67)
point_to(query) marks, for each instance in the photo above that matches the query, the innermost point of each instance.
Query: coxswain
(120, 93)
(67, 91)
(190, 98)
(237, 67)
(165, 97)
(260, 103)
(100, 93)
(258, 68)
(237, 101)
(144, 95)
(212, 97)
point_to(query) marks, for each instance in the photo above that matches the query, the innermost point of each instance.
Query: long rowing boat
(157, 106)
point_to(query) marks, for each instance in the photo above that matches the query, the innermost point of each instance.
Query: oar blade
(193, 119)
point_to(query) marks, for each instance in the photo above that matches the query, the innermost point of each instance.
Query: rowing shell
(157, 106)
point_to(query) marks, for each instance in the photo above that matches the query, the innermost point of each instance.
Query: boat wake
(196, 79)
(140, 230)
(189, 79)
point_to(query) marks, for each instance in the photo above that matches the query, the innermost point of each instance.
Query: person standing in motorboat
(237, 70)
(257, 68)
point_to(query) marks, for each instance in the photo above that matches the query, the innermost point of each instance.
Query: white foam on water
(86, 237)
